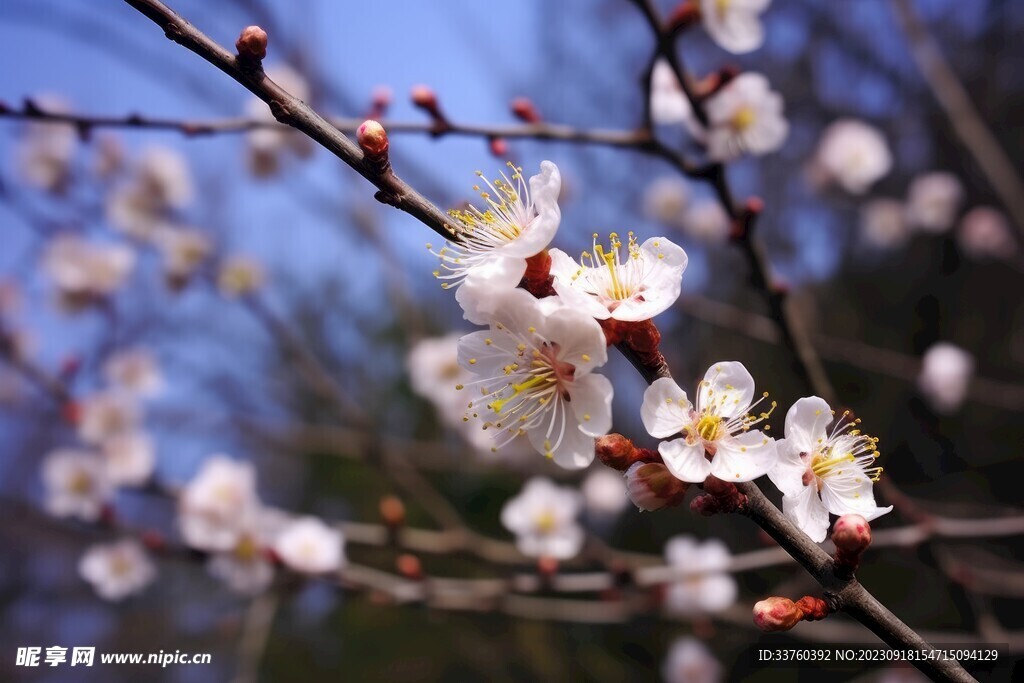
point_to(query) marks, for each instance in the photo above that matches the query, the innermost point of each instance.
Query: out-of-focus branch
(966, 120)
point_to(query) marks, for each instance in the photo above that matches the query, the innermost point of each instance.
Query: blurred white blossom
(218, 504)
(129, 458)
(76, 484)
(310, 546)
(734, 24)
(85, 271)
(720, 424)
(745, 116)
(184, 251)
(854, 155)
(543, 519)
(822, 471)
(703, 583)
(134, 371)
(46, 149)
(690, 661)
(604, 284)
(518, 221)
(604, 493)
(268, 148)
(106, 414)
(946, 372)
(883, 223)
(160, 183)
(534, 370)
(669, 105)
(933, 201)
(117, 570)
(707, 221)
(985, 233)
(665, 200)
(244, 568)
(240, 276)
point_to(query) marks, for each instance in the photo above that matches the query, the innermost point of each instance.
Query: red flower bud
(776, 614)
(651, 486)
(409, 566)
(392, 511)
(424, 97)
(252, 44)
(499, 147)
(524, 110)
(851, 534)
(372, 138)
(619, 453)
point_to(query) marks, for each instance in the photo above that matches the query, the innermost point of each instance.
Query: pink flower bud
(372, 138)
(392, 511)
(524, 110)
(252, 44)
(776, 614)
(499, 147)
(424, 97)
(651, 486)
(851, 534)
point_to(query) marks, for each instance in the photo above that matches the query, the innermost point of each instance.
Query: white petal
(563, 268)
(665, 409)
(544, 190)
(580, 339)
(487, 359)
(717, 592)
(591, 402)
(851, 493)
(729, 385)
(744, 457)
(686, 462)
(479, 294)
(806, 510)
(806, 423)
(788, 473)
(574, 451)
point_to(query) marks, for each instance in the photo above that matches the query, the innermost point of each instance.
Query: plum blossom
(822, 471)
(604, 493)
(161, 183)
(245, 567)
(669, 104)
(184, 251)
(218, 504)
(240, 276)
(946, 372)
(665, 200)
(534, 370)
(129, 458)
(267, 148)
(933, 201)
(734, 24)
(107, 414)
(720, 425)
(703, 581)
(543, 519)
(490, 246)
(76, 484)
(690, 661)
(604, 285)
(883, 223)
(134, 371)
(310, 546)
(117, 570)
(745, 117)
(854, 154)
(47, 149)
(706, 221)
(984, 233)
(85, 271)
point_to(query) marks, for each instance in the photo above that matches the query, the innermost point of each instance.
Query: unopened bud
(615, 451)
(409, 566)
(424, 97)
(392, 511)
(252, 44)
(499, 147)
(813, 609)
(547, 566)
(380, 100)
(851, 534)
(153, 540)
(372, 138)
(651, 486)
(776, 614)
(525, 111)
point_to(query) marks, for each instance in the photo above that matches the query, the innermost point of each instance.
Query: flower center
(81, 483)
(722, 6)
(743, 118)
(607, 275)
(246, 548)
(545, 522)
(709, 427)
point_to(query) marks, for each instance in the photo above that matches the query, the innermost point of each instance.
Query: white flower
(535, 376)
(184, 250)
(985, 233)
(543, 519)
(134, 371)
(76, 484)
(690, 661)
(117, 570)
(218, 504)
(130, 458)
(268, 148)
(946, 372)
(47, 149)
(734, 24)
(84, 271)
(109, 159)
(308, 545)
(854, 154)
(107, 414)
(669, 105)
(719, 425)
(491, 245)
(933, 201)
(603, 285)
(665, 199)
(604, 493)
(704, 584)
(745, 117)
(883, 223)
(821, 471)
(244, 568)
(240, 276)
(707, 222)
(160, 184)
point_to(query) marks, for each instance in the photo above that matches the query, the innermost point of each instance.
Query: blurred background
(267, 307)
